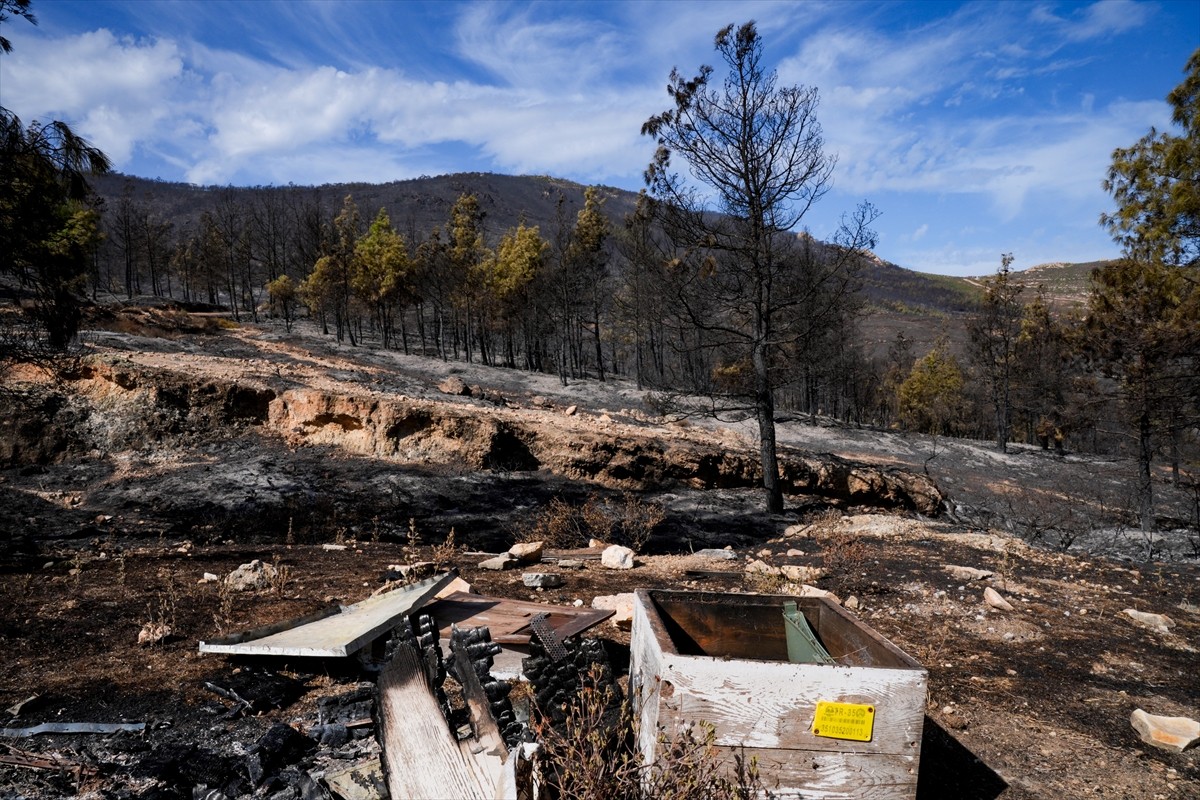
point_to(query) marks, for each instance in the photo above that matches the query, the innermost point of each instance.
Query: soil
(177, 447)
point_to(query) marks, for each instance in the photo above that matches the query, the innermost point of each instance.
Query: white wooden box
(722, 658)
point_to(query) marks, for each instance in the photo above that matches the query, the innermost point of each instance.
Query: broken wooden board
(334, 633)
(421, 758)
(509, 620)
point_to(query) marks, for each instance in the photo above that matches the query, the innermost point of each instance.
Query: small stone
(502, 561)
(333, 547)
(578, 603)
(994, 600)
(757, 567)
(1160, 623)
(967, 574)
(764, 553)
(570, 410)
(570, 563)
(852, 603)
(453, 386)
(622, 604)
(527, 552)
(1169, 733)
(153, 633)
(617, 557)
(209, 578)
(48, 565)
(594, 543)
(711, 552)
(793, 553)
(537, 401)
(542, 580)
(801, 574)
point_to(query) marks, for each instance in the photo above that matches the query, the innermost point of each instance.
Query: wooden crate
(722, 658)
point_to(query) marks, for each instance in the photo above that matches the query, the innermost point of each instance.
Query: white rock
(333, 547)
(502, 561)
(801, 574)
(813, 591)
(993, 599)
(622, 604)
(967, 573)
(757, 567)
(794, 552)
(592, 543)
(570, 563)
(153, 633)
(578, 603)
(1170, 733)
(711, 552)
(570, 410)
(209, 578)
(527, 552)
(1155, 622)
(852, 603)
(250, 577)
(542, 580)
(617, 557)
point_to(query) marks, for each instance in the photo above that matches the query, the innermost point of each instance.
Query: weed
(562, 525)
(594, 755)
(223, 616)
(161, 609)
(445, 552)
(843, 551)
(279, 576)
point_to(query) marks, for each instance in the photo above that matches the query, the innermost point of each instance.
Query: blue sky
(975, 128)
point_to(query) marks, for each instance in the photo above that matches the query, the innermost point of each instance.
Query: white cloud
(920, 232)
(117, 91)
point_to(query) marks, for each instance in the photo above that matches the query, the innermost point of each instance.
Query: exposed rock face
(124, 407)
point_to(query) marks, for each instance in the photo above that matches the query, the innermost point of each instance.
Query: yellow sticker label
(852, 721)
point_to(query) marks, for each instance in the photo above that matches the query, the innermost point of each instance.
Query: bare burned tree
(744, 280)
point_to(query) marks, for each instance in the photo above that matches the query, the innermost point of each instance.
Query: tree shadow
(949, 771)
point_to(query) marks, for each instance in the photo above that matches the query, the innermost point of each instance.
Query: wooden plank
(421, 758)
(482, 722)
(508, 620)
(339, 634)
(833, 776)
(759, 704)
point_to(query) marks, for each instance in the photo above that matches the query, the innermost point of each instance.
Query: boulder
(617, 557)
(542, 580)
(527, 552)
(1169, 733)
(621, 604)
(570, 563)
